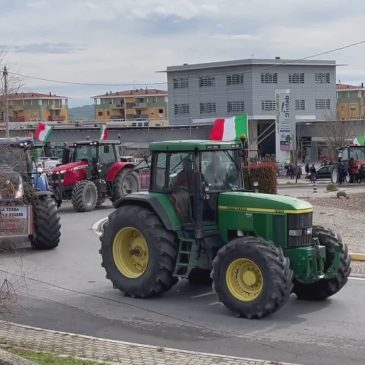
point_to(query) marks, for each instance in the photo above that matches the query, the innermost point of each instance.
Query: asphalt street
(65, 289)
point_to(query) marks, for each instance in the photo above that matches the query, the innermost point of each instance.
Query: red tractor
(91, 172)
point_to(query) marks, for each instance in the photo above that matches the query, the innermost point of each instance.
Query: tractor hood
(265, 203)
(69, 166)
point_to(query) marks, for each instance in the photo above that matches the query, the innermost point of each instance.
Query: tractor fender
(116, 168)
(161, 205)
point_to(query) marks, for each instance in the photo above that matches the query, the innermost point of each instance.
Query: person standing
(313, 173)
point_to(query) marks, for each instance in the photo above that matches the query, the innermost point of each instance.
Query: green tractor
(197, 218)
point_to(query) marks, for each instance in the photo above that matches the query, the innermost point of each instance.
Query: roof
(135, 92)
(251, 62)
(30, 95)
(345, 87)
(21, 141)
(95, 142)
(193, 145)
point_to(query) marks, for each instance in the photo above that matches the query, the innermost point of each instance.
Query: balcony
(109, 106)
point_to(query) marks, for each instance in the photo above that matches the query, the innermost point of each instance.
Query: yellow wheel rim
(130, 252)
(244, 280)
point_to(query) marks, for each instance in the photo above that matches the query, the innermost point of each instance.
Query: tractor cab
(193, 179)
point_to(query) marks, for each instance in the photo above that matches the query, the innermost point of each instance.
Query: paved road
(66, 290)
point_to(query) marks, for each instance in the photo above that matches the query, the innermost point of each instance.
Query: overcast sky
(125, 42)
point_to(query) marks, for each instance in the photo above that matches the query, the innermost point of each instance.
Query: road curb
(120, 352)
(357, 256)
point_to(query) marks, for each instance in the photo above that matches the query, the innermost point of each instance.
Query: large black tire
(264, 266)
(125, 183)
(324, 288)
(47, 227)
(155, 275)
(84, 196)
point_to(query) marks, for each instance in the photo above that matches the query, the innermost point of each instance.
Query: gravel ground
(344, 216)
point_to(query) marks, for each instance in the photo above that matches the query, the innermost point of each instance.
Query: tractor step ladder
(183, 257)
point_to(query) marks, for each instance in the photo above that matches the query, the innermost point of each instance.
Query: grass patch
(43, 358)
(331, 187)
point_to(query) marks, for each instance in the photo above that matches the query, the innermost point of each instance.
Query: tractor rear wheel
(252, 277)
(138, 253)
(84, 196)
(47, 227)
(125, 183)
(324, 288)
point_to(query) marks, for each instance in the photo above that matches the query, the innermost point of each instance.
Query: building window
(181, 109)
(268, 105)
(206, 81)
(235, 106)
(322, 78)
(100, 114)
(299, 104)
(269, 78)
(323, 103)
(296, 78)
(207, 108)
(181, 83)
(234, 79)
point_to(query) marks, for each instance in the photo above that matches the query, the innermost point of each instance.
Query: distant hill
(85, 112)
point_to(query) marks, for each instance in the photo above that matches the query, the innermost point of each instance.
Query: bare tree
(339, 133)
(14, 84)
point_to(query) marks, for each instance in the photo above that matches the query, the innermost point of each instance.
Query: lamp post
(6, 110)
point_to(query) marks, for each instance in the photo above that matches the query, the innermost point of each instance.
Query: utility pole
(6, 109)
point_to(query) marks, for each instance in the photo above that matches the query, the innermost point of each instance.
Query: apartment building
(350, 102)
(200, 93)
(31, 106)
(136, 108)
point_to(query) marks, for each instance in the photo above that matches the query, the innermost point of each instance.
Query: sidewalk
(114, 352)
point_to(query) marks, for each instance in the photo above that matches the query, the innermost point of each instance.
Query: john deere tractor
(27, 208)
(91, 172)
(198, 218)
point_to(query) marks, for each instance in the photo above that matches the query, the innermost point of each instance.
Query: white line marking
(203, 295)
(356, 278)
(97, 224)
(215, 303)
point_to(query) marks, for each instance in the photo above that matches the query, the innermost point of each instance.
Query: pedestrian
(313, 173)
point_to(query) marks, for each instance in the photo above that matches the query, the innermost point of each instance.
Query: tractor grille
(300, 222)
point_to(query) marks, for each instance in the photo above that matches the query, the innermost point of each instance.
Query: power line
(85, 83)
(165, 83)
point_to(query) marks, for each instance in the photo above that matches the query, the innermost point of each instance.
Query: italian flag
(104, 133)
(229, 129)
(43, 132)
(359, 141)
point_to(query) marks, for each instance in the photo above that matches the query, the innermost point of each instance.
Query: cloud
(46, 47)
(128, 41)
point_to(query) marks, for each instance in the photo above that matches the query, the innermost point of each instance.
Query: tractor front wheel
(252, 277)
(47, 227)
(138, 253)
(84, 196)
(125, 183)
(324, 288)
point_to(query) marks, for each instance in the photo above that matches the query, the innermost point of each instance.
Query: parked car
(323, 172)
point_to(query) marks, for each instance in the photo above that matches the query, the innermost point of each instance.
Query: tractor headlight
(20, 191)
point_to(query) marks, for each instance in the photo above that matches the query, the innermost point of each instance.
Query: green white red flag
(230, 129)
(43, 132)
(104, 133)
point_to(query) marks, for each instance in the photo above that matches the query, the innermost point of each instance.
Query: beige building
(139, 107)
(28, 107)
(350, 102)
